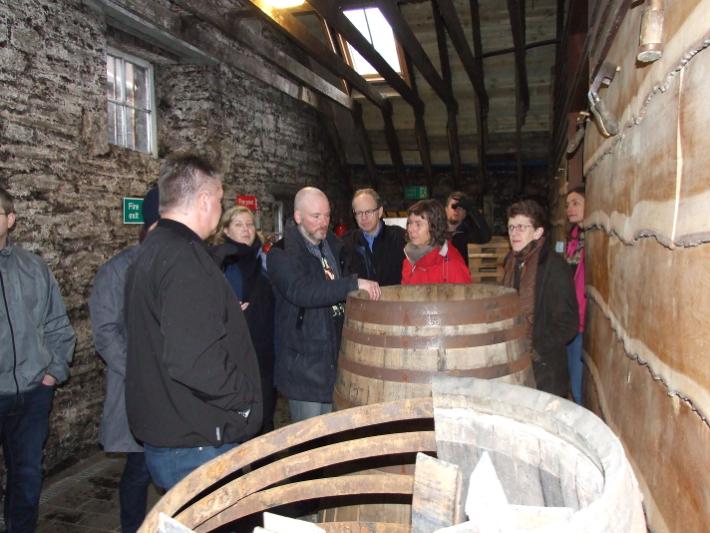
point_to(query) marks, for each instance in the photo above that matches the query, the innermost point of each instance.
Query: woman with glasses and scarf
(429, 256)
(547, 295)
(238, 252)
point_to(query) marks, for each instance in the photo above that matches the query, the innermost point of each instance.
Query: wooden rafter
(458, 38)
(315, 48)
(528, 46)
(482, 115)
(452, 132)
(420, 131)
(365, 144)
(334, 17)
(418, 57)
(516, 12)
(393, 142)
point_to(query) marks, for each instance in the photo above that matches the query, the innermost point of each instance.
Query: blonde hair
(227, 217)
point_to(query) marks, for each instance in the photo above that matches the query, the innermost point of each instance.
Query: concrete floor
(84, 498)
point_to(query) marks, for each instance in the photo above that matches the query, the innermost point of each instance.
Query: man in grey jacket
(37, 344)
(108, 325)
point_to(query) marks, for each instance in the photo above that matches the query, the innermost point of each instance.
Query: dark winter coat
(473, 229)
(383, 263)
(255, 290)
(192, 377)
(308, 334)
(555, 321)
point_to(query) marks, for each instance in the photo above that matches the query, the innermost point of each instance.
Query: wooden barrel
(392, 347)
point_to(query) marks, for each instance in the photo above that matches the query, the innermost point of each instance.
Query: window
(131, 109)
(373, 25)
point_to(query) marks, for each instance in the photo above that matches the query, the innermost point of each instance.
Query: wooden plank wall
(648, 244)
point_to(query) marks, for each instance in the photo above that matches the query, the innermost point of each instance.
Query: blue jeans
(133, 492)
(302, 410)
(167, 466)
(576, 366)
(24, 424)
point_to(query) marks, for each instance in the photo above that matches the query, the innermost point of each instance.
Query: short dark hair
(433, 212)
(579, 190)
(530, 209)
(7, 202)
(181, 178)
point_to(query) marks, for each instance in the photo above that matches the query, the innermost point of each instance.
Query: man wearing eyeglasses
(374, 251)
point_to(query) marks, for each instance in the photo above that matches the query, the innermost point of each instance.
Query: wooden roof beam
(333, 16)
(452, 132)
(517, 25)
(393, 143)
(413, 49)
(315, 48)
(365, 144)
(453, 25)
(481, 114)
(420, 132)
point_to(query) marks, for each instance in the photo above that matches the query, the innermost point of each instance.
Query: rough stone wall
(68, 182)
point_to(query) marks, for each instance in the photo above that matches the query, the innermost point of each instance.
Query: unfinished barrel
(561, 469)
(392, 347)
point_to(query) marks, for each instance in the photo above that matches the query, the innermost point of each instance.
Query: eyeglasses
(367, 213)
(518, 227)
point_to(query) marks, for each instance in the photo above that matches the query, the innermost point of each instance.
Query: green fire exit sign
(132, 210)
(415, 192)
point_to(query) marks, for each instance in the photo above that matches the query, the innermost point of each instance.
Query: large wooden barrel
(392, 347)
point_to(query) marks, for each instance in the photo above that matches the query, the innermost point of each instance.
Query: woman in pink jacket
(429, 256)
(575, 257)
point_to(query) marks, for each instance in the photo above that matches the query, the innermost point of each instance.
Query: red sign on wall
(247, 201)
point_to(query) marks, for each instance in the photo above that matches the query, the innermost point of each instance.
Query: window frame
(151, 108)
(347, 56)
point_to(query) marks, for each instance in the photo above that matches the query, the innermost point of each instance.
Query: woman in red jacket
(429, 256)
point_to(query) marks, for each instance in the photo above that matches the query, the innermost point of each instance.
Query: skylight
(373, 25)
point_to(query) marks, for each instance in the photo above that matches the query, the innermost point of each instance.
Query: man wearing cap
(466, 224)
(106, 307)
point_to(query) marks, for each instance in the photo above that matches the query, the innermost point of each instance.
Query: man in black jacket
(374, 250)
(311, 285)
(192, 380)
(466, 223)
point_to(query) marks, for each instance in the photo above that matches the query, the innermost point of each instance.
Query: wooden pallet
(485, 261)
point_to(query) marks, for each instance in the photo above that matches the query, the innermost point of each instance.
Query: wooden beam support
(516, 12)
(413, 49)
(365, 144)
(393, 142)
(452, 132)
(333, 16)
(298, 32)
(458, 38)
(481, 114)
(528, 46)
(420, 132)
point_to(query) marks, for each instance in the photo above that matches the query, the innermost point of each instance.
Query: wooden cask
(391, 348)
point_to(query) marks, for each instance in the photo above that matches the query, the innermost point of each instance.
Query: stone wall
(68, 181)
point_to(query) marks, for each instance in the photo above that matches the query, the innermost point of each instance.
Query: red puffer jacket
(441, 265)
